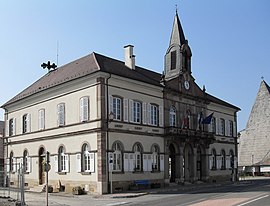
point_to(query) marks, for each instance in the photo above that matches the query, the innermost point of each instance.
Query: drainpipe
(236, 148)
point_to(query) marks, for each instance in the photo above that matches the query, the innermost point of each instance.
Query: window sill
(62, 173)
(86, 173)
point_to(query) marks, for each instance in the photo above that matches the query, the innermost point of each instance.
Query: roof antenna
(57, 52)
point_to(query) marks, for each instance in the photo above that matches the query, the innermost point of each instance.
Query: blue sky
(230, 40)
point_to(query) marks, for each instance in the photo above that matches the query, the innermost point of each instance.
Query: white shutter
(219, 162)
(217, 126)
(235, 162)
(56, 163)
(111, 104)
(228, 162)
(126, 162)
(29, 164)
(210, 162)
(66, 163)
(227, 127)
(28, 120)
(144, 113)
(14, 165)
(41, 119)
(126, 110)
(234, 129)
(145, 162)
(14, 126)
(7, 165)
(84, 109)
(161, 157)
(160, 116)
(92, 162)
(20, 163)
(78, 162)
(61, 114)
(131, 162)
(149, 162)
(149, 113)
(131, 114)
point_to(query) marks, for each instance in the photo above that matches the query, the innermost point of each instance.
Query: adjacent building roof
(254, 143)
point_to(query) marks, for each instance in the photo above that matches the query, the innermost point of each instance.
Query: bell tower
(178, 55)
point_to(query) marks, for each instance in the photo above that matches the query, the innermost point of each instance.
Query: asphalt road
(243, 193)
(248, 193)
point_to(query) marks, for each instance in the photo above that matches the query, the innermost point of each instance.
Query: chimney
(129, 56)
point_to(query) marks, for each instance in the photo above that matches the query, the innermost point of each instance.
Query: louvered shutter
(29, 164)
(28, 123)
(7, 127)
(41, 119)
(161, 157)
(149, 162)
(110, 156)
(126, 110)
(84, 109)
(92, 162)
(149, 113)
(235, 163)
(234, 129)
(144, 113)
(145, 163)
(131, 113)
(14, 126)
(56, 163)
(227, 127)
(110, 104)
(217, 126)
(228, 162)
(210, 163)
(131, 162)
(61, 114)
(126, 162)
(78, 162)
(66, 163)
(14, 164)
(160, 116)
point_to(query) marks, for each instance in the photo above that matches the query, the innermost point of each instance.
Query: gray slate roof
(254, 144)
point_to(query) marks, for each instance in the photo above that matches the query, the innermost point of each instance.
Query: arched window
(117, 156)
(63, 161)
(214, 159)
(223, 160)
(137, 148)
(155, 158)
(86, 158)
(172, 117)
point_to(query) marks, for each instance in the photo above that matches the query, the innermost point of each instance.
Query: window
(12, 127)
(117, 108)
(61, 114)
(153, 115)
(155, 158)
(223, 160)
(26, 123)
(230, 128)
(173, 60)
(214, 159)
(172, 117)
(222, 127)
(137, 111)
(84, 109)
(213, 124)
(41, 119)
(85, 158)
(117, 156)
(138, 156)
(62, 160)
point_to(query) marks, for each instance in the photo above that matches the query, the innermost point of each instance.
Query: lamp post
(109, 120)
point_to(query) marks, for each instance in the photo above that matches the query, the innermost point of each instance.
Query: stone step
(38, 188)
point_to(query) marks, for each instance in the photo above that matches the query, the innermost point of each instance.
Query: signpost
(111, 167)
(47, 169)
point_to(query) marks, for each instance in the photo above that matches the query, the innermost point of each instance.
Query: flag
(207, 120)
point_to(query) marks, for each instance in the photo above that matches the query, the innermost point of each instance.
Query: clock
(186, 84)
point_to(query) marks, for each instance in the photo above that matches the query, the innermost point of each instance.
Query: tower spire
(177, 35)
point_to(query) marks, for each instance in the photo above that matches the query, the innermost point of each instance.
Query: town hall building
(110, 125)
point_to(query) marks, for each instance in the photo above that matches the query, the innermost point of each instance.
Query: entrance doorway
(172, 163)
(41, 165)
(199, 163)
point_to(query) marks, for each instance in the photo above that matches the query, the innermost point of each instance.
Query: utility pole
(47, 169)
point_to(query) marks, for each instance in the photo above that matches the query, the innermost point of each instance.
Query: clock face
(186, 84)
